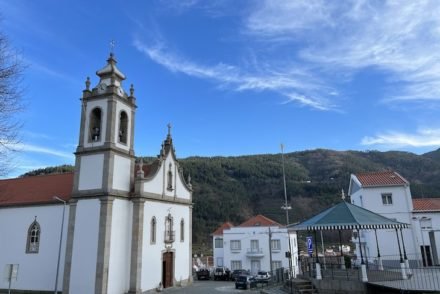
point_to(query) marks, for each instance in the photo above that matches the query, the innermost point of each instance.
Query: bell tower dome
(105, 156)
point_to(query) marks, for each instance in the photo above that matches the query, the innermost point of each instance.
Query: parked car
(203, 273)
(262, 277)
(238, 272)
(221, 273)
(245, 281)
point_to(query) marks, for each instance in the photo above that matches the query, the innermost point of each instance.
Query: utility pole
(270, 251)
(287, 208)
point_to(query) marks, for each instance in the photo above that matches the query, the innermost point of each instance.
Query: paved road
(207, 287)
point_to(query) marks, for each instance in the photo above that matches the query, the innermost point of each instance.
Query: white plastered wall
(399, 210)
(260, 234)
(152, 253)
(36, 271)
(120, 248)
(158, 184)
(85, 245)
(91, 171)
(121, 173)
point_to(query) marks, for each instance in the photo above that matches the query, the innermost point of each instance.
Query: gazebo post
(379, 259)
(402, 264)
(408, 269)
(363, 267)
(318, 265)
(342, 254)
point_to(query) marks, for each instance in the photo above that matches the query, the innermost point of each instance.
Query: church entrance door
(167, 269)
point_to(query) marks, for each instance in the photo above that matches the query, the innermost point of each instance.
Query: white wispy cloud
(422, 138)
(296, 85)
(42, 149)
(401, 38)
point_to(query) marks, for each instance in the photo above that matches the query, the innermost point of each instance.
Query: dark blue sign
(309, 245)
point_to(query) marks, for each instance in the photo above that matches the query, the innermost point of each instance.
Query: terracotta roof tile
(426, 204)
(383, 178)
(259, 220)
(35, 189)
(225, 226)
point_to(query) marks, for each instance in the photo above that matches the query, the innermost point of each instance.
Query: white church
(112, 226)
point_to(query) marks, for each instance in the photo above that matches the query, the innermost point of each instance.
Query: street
(207, 287)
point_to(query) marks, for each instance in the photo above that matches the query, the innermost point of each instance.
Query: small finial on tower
(131, 90)
(88, 83)
(169, 129)
(140, 172)
(343, 195)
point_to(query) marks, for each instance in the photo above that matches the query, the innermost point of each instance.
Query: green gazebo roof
(347, 216)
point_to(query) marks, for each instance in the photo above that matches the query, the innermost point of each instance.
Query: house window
(123, 125)
(170, 178)
(276, 264)
(235, 245)
(219, 261)
(169, 233)
(235, 264)
(95, 125)
(275, 244)
(33, 238)
(218, 242)
(153, 231)
(254, 246)
(387, 199)
(182, 230)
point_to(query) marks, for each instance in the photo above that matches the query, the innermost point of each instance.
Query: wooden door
(167, 269)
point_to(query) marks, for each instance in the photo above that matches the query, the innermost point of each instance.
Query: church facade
(127, 224)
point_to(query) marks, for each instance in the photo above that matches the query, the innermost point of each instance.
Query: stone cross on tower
(112, 46)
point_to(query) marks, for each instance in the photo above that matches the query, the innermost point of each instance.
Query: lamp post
(61, 241)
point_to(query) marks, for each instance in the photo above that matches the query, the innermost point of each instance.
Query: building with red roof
(252, 244)
(388, 193)
(114, 225)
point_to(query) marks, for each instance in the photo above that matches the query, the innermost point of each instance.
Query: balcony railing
(169, 236)
(255, 252)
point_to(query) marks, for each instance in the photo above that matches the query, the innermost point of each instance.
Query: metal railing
(391, 274)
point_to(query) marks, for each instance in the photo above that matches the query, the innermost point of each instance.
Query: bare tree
(10, 102)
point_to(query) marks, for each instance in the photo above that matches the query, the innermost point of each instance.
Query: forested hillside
(235, 188)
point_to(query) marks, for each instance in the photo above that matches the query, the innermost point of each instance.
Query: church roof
(225, 226)
(383, 178)
(426, 204)
(111, 69)
(259, 221)
(36, 189)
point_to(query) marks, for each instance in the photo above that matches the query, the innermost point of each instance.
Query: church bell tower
(105, 156)
(99, 215)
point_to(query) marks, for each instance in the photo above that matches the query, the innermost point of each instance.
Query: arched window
(33, 238)
(153, 231)
(182, 230)
(123, 125)
(95, 125)
(170, 178)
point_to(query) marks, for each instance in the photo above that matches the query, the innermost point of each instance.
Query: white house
(253, 244)
(127, 226)
(388, 193)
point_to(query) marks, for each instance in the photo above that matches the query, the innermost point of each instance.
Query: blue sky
(233, 77)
